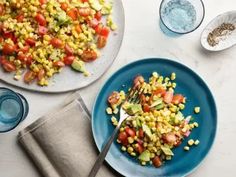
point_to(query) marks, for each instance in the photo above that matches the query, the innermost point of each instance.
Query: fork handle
(103, 154)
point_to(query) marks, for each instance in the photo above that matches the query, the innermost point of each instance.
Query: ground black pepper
(216, 35)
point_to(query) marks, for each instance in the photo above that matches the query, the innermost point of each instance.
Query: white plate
(229, 41)
(68, 79)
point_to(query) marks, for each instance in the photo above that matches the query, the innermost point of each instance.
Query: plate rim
(169, 61)
(40, 90)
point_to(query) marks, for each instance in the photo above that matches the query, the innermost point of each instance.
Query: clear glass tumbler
(13, 109)
(181, 16)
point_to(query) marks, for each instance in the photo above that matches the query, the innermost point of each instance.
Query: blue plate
(189, 84)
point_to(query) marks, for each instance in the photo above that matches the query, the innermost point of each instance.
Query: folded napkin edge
(72, 99)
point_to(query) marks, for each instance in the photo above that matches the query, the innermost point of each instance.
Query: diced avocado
(147, 130)
(106, 9)
(96, 5)
(157, 102)
(133, 109)
(138, 122)
(160, 106)
(166, 150)
(78, 65)
(145, 156)
(62, 18)
(179, 116)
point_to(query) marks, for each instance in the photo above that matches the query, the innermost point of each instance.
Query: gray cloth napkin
(61, 143)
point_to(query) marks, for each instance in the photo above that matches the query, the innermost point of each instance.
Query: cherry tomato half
(57, 43)
(9, 35)
(29, 60)
(89, 56)
(25, 49)
(29, 77)
(168, 97)
(73, 13)
(141, 133)
(138, 80)
(43, 1)
(101, 42)
(68, 50)
(113, 98)
(139, 148)
(68, 60)
(98, 28)
(130, 132)
(98, 15)
(30, 41)
(64, 6)
(20, 18)
(41, 19)
(160, 90)
(123, 138)
(93, 23)
(78, 28)
(178, 98)
(146, 108)
(22, 57)
(8, 66)
(157, 161)
(8, 49)
(58, 63)
(84, 11)
(105, 31)
(41, 74)
(169, 138)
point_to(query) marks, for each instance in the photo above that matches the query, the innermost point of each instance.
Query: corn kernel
(130, 150)
(123, 148)
(17, 77)
(186, 148)
(174, 84)
(116, 110)
(196, 142)
(197, 110)
(155, 74)
(195, 124)
(143, 163)
(181, 106)
(130, 140)
(173, 76)
(109, 110)
(190, 142)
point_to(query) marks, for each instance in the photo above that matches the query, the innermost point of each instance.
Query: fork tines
(134, 95)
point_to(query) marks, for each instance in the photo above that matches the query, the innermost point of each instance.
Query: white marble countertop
(143, 38)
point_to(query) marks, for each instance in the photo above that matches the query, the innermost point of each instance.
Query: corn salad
(43, 36)
(156, 125)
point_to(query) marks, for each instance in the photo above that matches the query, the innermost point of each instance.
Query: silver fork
(133, 97)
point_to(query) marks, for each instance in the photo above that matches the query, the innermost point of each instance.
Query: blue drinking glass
(179, 17)
(14, 109)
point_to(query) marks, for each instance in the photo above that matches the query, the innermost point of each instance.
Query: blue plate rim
(169, 61)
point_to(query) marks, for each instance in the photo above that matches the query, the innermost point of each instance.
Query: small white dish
(229, 40)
